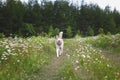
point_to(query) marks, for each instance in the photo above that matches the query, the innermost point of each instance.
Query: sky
(102, 3)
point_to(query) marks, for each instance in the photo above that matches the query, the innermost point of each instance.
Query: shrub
(2, 35)
(90, 31)
(107, 42)
(56, 31)
(101, 31)
(69, 32)
(27, 30)
(77, 36)
(51, 31)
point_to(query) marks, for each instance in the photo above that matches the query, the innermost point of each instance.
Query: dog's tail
(60, 35)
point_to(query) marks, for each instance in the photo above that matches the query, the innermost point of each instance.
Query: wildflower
(18, 61)
(77, 61)
(100, 51)
(15, 38)
(88, 56)
(77, 68)
(78, 55)
(108, 65)
(9, 50)
(2, 58)
(5, 58)
(106, 77)
(3, 54)
(94, 50)
(68, 55)
(13, 49)
(6, 53)
(14, 54)
(20, 53)
(6, 46)
(96, 59)
(18, 50)
(83, 55)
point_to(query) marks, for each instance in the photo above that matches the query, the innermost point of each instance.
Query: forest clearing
(91, 37)
(90, 58)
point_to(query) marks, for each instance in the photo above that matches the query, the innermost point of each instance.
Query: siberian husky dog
(59, 44)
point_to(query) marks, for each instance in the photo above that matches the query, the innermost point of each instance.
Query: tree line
(48, 18)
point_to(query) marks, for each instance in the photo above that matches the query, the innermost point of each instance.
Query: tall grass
(20, 57)
(86, 63)
(106, 42)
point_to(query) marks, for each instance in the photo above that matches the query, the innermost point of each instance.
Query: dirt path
(114, 58)
(50, 71)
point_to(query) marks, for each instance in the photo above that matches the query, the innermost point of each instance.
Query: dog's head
(59, 38)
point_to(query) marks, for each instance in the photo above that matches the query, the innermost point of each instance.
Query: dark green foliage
(56, 31)
(90, 31)
(101, 31)
(51, 31)
(2, 35)
(108, 42)
(69, 32)
(87, 19)
(27, 30)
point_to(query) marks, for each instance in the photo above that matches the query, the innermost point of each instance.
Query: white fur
(59, 48)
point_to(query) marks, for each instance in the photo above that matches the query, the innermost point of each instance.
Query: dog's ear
(60, 35)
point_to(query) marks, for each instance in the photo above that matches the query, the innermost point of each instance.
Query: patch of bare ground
(114, 58)
(50, 71)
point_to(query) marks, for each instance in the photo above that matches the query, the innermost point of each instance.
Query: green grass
(21, 57)
(107, 42)
(24, 58)
(86, 63)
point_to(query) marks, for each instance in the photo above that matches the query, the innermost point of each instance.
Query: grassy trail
(50, 71)
(63, 68)
(114, 58)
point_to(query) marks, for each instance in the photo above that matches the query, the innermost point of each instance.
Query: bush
(77, 36)
(69, 32)
(56, 31)
(103, 41)
(101, 31)
(90, 31)
(2, 35)
(107, 42)
(27, 30)
(51, 31)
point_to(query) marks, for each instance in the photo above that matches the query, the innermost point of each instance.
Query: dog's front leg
(60, 52)
(57, 51)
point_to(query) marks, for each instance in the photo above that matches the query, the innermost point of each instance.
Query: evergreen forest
(34, 18)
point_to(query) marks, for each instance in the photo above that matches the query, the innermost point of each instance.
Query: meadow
(34, 58)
